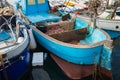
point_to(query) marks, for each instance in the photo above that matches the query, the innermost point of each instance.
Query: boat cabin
(37, 10)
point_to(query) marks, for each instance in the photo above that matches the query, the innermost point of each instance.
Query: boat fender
(20, 39)
(32, 44)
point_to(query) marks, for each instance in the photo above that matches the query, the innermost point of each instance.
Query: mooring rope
(94, 77)
(3, 67)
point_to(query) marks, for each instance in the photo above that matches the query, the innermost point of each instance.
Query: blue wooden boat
(88, 48)
(14, 51)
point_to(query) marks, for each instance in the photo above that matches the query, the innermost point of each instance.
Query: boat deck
(43, 17)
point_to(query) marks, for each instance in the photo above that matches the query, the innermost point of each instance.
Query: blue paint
(80, 24)
(71, 54)
(38, 12)
(118, 13)
(19, 68)
(106, 58)
(77, 55)
(43, 17)
(94, 38)
(34, 8)
(113, 34)
(4, 36)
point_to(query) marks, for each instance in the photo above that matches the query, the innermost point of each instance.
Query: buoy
(76, 12)
(85, 8)
(32, 44)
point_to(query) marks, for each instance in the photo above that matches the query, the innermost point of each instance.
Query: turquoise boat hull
(78, 54)
(89, 50)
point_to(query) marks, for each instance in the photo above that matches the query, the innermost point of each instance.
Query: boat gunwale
(19, 46)
(108, 40)
(99, 19)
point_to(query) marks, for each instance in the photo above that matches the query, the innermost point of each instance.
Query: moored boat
(111, 26)
(87, 49)
(14, 41)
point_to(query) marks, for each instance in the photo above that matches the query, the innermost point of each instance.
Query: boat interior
(34, 12)
(9, 29)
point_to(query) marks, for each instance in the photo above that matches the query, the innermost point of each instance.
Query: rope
(94, 77)
(20, 58)
(9, 11)
(8, 23)
(3, 67)
(17, 29)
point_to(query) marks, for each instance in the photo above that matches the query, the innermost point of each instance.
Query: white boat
(14, 41)
(109, 24)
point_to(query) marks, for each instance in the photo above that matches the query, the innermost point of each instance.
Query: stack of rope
(6, 11)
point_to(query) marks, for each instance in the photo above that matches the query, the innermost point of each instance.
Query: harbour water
(51, 71)
(116, 59)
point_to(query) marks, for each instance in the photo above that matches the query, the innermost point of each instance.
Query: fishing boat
(70, 39)
(14, 41)
(111, 26)
(109, 18)
(76, 44)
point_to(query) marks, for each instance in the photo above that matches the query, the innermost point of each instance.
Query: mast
(115, 6)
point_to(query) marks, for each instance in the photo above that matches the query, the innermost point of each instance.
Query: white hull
(32, 44)
(108, 24)
(104, 23)
(16, 49)
(101, 23)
